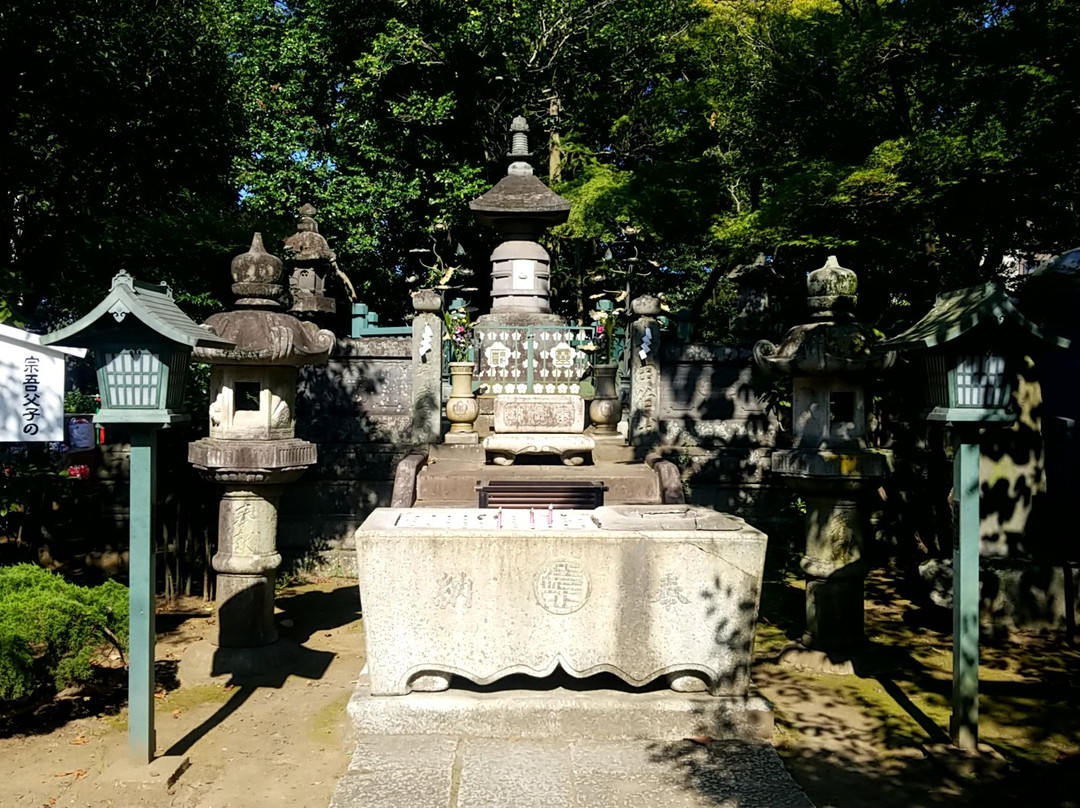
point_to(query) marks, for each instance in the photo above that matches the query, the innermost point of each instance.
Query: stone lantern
(520, 208)
(251, 448)
(755, 282)
(313, 262)
(829, 464)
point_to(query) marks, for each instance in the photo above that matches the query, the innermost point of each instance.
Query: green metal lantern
(142, 345)
(970, 343)
(968, 385)
(971, 337)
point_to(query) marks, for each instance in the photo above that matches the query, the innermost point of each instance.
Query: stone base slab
(462, 438)
(448, 772)
(572, 449)
(205, 662)
(562, 713)
(153, 779)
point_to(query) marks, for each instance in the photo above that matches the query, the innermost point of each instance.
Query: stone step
(543, 745)
(462, 772)
(558, 706)
(444, 481)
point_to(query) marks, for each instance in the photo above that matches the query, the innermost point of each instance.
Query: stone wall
(358, 409)
(711, 421)
(714, 426)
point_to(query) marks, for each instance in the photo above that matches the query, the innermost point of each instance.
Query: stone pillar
(427, 362)
(246, 563)
(834, 572)
(644, 364)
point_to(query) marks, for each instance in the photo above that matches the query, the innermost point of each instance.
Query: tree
(391, 117)
(118, 132)
(923, 140)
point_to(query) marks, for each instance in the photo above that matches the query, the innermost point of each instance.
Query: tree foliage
(925, 141)
(390, 117)
(117, 139)
(922, 141)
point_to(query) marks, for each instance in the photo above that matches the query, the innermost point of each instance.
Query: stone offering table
(539, 424)
(639, 591)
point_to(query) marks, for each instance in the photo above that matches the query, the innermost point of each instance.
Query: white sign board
(31, 387)
(524, 274)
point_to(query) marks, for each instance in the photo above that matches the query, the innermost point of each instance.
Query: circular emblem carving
(460, 408)
(563, 587)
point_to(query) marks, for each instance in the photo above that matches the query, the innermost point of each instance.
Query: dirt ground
(279, 744)
(848, 740)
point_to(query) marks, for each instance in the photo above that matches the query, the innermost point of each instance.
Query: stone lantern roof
(261, 332)
(306, 244)
(832, 343)
(519, 200)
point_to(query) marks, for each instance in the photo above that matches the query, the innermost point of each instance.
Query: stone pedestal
(643, 592)
(539, 425)
(253, 473)
(835, 572)
(833, 486)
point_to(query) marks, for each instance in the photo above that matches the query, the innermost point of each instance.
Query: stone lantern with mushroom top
(252, 450)
(830, 464)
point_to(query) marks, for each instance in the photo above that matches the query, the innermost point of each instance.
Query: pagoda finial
(519, 148)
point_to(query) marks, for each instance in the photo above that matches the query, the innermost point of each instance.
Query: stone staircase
(450, 476)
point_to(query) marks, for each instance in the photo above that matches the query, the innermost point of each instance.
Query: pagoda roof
(520, 195)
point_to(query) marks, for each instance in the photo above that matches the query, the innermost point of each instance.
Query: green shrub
(52, 630)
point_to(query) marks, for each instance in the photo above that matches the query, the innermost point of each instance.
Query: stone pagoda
(528, 358)
(830, 463)
(252, 450)
(520, 208)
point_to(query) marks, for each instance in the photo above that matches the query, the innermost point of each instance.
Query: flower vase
(461, 408)
(605, 410)
(426, 300)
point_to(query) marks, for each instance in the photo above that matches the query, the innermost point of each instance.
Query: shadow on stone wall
(358, 410)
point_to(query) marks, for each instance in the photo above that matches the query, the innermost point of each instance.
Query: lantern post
(969, 340)
(142, 344)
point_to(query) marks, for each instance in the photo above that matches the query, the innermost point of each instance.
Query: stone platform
(453, 476)
(432, 771)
